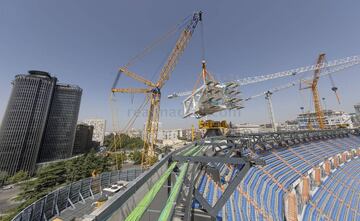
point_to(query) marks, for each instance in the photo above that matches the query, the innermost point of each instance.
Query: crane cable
(333, 86)
(136, 115)
(158, 41)
(202, 40)
(153, 45)
(137, 57)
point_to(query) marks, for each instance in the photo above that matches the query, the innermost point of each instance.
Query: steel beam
(230, 189)
(213, 210)
(189, 198)
(204, 159)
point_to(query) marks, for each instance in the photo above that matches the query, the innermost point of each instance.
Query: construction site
(307, 174)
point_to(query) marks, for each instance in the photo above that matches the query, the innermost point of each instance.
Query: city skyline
(179, 110)
(262, 42)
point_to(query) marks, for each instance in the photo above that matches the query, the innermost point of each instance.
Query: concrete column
(317, 172)
(336, 161)
(351, 154)
(327, 167)
(292, 207)
(305, 193)
(344, 157)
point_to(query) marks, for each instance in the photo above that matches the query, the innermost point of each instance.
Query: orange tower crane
(153, 90)
(313, 85)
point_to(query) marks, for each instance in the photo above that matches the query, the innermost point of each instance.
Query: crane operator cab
(156, 90)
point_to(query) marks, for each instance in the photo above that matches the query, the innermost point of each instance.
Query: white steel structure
(339, 63)
(213, 96)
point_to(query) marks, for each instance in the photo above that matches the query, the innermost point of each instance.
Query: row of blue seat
(338, 198)
(259, 183)
(261, 187)
(314, 153)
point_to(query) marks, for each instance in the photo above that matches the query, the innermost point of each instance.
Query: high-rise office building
(99, 129)
(40, 118)
(83, 138)
(24, 121)
(61, 125)
(332, 120)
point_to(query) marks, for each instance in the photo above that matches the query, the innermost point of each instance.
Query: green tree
(136, 143)
(92, 163)
(136, 156)
(18, 177)
(108, 140)
(48, 179)
(75, 169)
(118, 159)
(123, 141)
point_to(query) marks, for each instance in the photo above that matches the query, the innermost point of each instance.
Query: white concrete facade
(99, 129)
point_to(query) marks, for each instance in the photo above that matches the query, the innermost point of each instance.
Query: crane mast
(315, 92)
(271, 110)
(152, 123)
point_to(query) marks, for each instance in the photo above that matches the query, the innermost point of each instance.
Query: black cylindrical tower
(61, 125)
(21, 131)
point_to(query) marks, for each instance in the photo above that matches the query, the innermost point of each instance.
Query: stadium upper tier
(338, 198)
(312, 181)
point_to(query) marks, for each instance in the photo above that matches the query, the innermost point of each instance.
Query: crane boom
(273, 90)
(131, 90)
(136, 77)
(178, 49)
(268, 94)
(343, 62)
(250, 80)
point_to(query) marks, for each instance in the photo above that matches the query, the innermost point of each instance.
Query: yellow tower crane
(313, 85)
(153, 90)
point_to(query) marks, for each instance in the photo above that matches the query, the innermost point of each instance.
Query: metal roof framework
(208, 155)
(235, 150)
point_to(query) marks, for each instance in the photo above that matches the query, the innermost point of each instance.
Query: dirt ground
(6, 197)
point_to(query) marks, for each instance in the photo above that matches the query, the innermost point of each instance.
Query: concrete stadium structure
(303, 175)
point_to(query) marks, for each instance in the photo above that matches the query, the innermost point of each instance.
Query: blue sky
(84, 42)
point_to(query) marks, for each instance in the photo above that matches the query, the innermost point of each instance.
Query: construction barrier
(64, 197)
